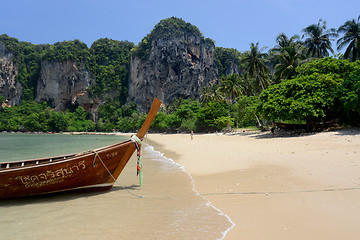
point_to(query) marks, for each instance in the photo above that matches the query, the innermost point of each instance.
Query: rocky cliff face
(178, 62)
(9, 87)
(63, 84)
(176, 67)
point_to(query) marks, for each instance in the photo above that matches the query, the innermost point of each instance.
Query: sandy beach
(292, 187)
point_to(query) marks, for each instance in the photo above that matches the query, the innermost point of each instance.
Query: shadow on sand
(349, 131)
(279, 133)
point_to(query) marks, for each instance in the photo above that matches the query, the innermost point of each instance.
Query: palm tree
(289, 59)
(211, 93)
(231, 88)
(319, 39)
(351, 30)
(286, 56)
(255, 67)
(283, 42)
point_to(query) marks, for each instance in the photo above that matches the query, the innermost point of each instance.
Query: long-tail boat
(289, 126)
(93, 170)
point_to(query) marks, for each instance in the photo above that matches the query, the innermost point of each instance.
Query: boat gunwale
(62, 159)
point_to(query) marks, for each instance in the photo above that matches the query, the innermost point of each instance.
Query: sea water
(166, 207)
(22, 146)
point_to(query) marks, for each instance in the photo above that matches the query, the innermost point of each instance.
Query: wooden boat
(289, 126)
(93, 170)
(314, 126)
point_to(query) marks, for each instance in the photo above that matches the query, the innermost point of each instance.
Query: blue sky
(230, 23)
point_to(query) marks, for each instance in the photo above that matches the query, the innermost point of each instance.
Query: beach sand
(282, 187)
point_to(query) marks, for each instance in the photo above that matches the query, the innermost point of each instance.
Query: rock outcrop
(178, 62)
(9, 88)
(63, 84)
(177, 66)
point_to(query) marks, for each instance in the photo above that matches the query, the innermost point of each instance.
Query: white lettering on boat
(50, 176)
(111, 155)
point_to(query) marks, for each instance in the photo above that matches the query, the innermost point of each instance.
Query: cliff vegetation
(204, 87)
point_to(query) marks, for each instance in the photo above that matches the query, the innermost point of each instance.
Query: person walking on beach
(272, 129)
(192, 135)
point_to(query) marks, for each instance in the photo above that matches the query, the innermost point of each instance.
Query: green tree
(57, 122)
(318, 41)
(80, 113)
(325, 89)
(160, 122)
(207, 115)
(27, 58)
(230, 87)
(181, 115)
(351, 39)
(247, 110)
(255, 67)
(350, 96)
(12, 124)
(223, 122)
(290, 57)
(111, 67)
(165, 29)
(32, 123)
(62, 51)
(211, 93)
(305, 98)
(2, 100)
(283, 42)
(227, 61)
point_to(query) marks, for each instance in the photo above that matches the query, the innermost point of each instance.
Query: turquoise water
(22, 146)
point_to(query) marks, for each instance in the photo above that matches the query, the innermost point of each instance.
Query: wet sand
(293, 187)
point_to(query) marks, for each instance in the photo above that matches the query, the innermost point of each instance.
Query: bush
(188, 125)
(208, 114)
(224, 122)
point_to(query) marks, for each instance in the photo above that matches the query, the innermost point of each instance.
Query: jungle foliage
(33, 116)
(324, 89)
(293, 82)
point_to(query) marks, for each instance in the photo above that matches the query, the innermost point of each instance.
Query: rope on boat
(94, 164)
(138, 145)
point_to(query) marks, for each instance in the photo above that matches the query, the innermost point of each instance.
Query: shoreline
(302, 187)
(282, 187)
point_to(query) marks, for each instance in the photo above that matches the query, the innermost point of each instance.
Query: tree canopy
(319, 93)
(351, 38)
(318, 41)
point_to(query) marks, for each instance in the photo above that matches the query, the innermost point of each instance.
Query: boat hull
(91, 171)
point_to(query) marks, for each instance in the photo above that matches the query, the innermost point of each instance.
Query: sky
(230, 23)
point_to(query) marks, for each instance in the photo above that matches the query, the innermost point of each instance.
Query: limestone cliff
(178, 65)
(63, 84)
(9, 88)
(174, 61)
